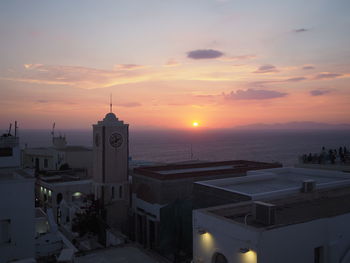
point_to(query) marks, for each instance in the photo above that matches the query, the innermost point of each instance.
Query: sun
(195, 124)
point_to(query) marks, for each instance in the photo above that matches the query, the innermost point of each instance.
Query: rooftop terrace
(271, 183)
(182, 171)
(299, 208)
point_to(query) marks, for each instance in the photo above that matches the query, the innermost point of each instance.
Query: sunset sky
(221, 63)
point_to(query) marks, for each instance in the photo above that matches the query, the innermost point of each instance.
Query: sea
(283, 146)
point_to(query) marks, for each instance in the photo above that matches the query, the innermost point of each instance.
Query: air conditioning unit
(308, 186)
(264, 213)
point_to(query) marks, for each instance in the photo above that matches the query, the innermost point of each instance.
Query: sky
(167, 64)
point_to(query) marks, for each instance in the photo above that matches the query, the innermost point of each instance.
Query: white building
(63, 194)
(9, 151)
(52, 158)
(17, 225)
(161, 196)
(303, 218)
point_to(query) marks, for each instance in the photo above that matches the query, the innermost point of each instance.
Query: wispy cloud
(130, 104)
(295, 79)
(238, 58)
(81, 77)
(204, 54)
(42, 101)
(319, 92)
(301, 30)
(327, 75)
(172, 63)
(308, 67)
(263, 83)
(254, 94)
(128, 66)
(266, 69)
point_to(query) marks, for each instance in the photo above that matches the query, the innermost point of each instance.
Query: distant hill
(295, 126)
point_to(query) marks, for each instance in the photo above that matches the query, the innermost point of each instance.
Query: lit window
(77, 196)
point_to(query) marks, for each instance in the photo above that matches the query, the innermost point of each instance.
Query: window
(46, 163)
(318, 255)
(5, 234)
(59, 198)
(113, 194)
(77, 196)
(5, 152)
(219, 258)
(120, 192)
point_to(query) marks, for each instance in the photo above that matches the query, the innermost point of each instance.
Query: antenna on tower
(110, 103)
(16, 127)
(53, 129)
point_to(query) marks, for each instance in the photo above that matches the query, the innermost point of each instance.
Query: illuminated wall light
(49, 192)
(249, 256)
(244, 250)
(41, 188)
(201, 231)
(77, 194)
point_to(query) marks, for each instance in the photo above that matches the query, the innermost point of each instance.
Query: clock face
(97, 140)
(116, 140)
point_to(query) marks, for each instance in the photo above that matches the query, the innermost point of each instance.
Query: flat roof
(299, 208)
(62, 182)
(189, 170)
(47, 151)
(196, 169)
(278, 181)
(14, 174)
(75, 148)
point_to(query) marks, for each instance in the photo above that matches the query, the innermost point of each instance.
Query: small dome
(110, 117)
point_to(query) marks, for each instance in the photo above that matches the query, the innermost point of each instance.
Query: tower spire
(110, 103)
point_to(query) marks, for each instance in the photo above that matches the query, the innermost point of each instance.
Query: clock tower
(110, 168)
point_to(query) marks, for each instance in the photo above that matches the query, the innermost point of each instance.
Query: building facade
(292, 215)
(17, 213)
(110, 169)
(58, 156)
(162, 200)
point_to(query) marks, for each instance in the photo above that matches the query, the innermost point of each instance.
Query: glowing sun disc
(195, 124)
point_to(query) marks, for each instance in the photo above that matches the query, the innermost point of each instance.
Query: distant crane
(9, 131)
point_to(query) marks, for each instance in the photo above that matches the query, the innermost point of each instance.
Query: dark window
(318, 255)
(46, 163)
(120, 192)
(59, 198)
(5, 234)
(6, 152)
(113, 194)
